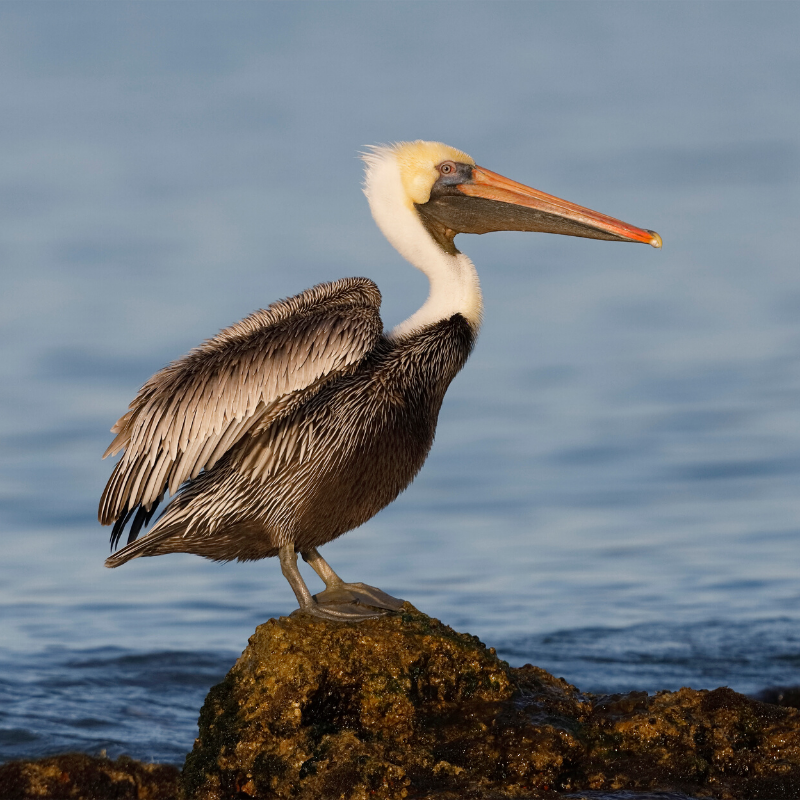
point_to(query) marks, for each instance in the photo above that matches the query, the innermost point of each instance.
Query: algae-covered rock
(720, 742)
(404, 706)
(374, 709)
(75, 776)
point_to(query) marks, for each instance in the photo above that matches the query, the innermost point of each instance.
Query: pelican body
(305, 419)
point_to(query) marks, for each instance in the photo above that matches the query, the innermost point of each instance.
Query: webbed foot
(360, 593)
(351, 602)
(340, 612)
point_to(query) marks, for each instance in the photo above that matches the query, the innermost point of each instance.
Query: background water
(613, 493)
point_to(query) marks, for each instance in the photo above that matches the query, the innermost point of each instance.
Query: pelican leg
(338, 592)
(344, 611)
(288, 559)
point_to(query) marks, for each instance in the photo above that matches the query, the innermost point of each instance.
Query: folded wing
(188, 415)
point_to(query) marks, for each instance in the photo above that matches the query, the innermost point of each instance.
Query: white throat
(454, 286)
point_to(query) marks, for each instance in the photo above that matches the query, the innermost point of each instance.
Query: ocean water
(613, 493)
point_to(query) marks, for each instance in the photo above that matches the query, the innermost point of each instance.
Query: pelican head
(422, 194)
(452, 194)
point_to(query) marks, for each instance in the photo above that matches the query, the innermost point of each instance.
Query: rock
(404, 706)
(80, 777)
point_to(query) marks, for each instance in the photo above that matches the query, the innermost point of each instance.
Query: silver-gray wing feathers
(191, 412)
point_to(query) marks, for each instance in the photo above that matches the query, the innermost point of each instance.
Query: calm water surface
(613, 493)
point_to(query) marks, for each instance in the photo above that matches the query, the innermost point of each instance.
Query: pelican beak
(484, 201)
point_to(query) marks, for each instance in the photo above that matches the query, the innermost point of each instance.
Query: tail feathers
(141, 518)
(146, 546)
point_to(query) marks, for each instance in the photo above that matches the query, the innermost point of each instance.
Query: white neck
(454, 286)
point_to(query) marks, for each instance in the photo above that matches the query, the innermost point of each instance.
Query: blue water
(613, 493)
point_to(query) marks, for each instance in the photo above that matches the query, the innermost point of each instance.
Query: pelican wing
(194, 410)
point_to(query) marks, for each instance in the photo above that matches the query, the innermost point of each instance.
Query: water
(613, 490)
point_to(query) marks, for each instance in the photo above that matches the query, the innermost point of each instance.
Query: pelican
(305, 419)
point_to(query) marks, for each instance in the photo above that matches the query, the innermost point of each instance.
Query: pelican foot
(341, 612)
(350, 602)
(360, 593)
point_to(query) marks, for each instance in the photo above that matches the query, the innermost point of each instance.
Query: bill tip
(655, 241)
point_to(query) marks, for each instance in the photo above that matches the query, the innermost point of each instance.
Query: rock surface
(404, 706)
(79, 777)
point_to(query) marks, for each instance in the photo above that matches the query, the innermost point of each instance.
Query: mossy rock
(403, 706)
(380, 709)
(75, 776)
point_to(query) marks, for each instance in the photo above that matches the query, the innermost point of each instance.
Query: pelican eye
(447, 168)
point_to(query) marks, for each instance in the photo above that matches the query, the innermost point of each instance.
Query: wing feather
(189, 414)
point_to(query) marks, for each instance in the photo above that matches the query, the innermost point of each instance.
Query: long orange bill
(523, 208)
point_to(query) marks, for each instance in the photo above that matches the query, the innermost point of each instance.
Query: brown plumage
(350, 430)
(188, 415)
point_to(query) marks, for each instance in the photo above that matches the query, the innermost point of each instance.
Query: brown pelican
(305, 419)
